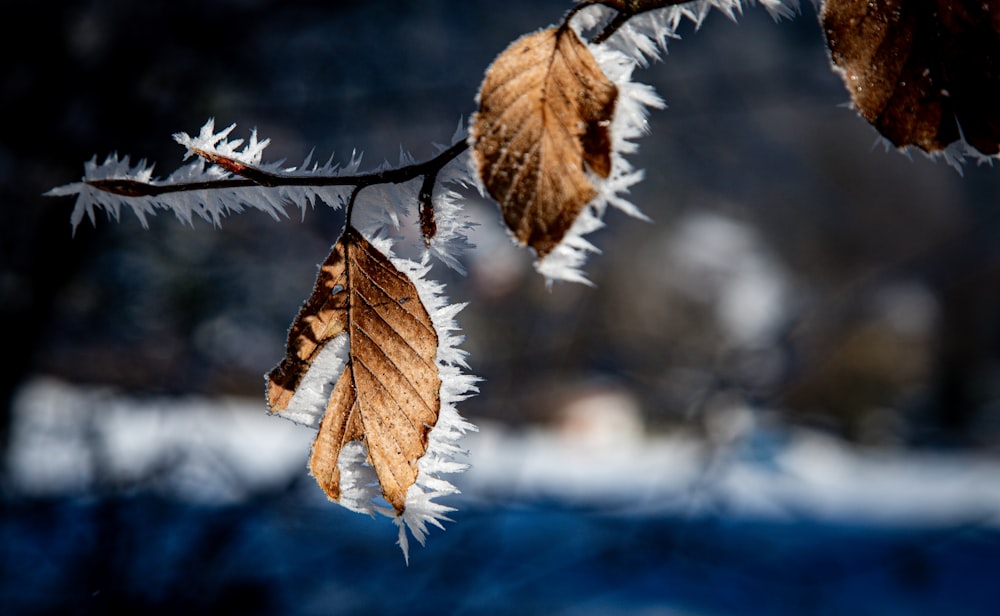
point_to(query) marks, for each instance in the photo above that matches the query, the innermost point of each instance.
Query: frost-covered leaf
(545, 111)
(610, 114)
(390, 396)
(370, 352)
(923, 73)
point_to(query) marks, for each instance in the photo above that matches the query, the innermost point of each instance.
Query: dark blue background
(280, 555)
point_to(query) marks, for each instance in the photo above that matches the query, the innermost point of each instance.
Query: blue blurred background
(781, 397)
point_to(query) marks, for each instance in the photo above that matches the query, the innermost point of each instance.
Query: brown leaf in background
(388, 393)
(920, 72)
(545, 108)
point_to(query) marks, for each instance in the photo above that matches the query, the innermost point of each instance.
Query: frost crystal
(308, 404)
(181, 193)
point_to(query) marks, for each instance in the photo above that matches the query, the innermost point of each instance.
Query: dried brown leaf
(922, 73)
(545, 108)
(388, 393)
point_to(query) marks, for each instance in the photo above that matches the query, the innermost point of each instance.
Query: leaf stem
(349, 208)
(425, 200)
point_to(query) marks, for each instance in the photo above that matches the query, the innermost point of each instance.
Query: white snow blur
(67, 438)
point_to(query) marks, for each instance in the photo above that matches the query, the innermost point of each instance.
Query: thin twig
(624, 11)
(612, 26)
(253, 176)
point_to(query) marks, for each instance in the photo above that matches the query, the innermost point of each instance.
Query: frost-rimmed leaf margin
(642, 38)
(457, 384)
(629, 122)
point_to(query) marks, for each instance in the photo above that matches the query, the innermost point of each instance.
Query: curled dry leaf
(388, 393)
(545, 109)
(923, 73)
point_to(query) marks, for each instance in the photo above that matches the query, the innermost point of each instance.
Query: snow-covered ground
(589, 516)
(67, 439)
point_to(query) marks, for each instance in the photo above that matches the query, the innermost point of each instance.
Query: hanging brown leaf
(545, 108)
(923, 73)
(388, 393)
